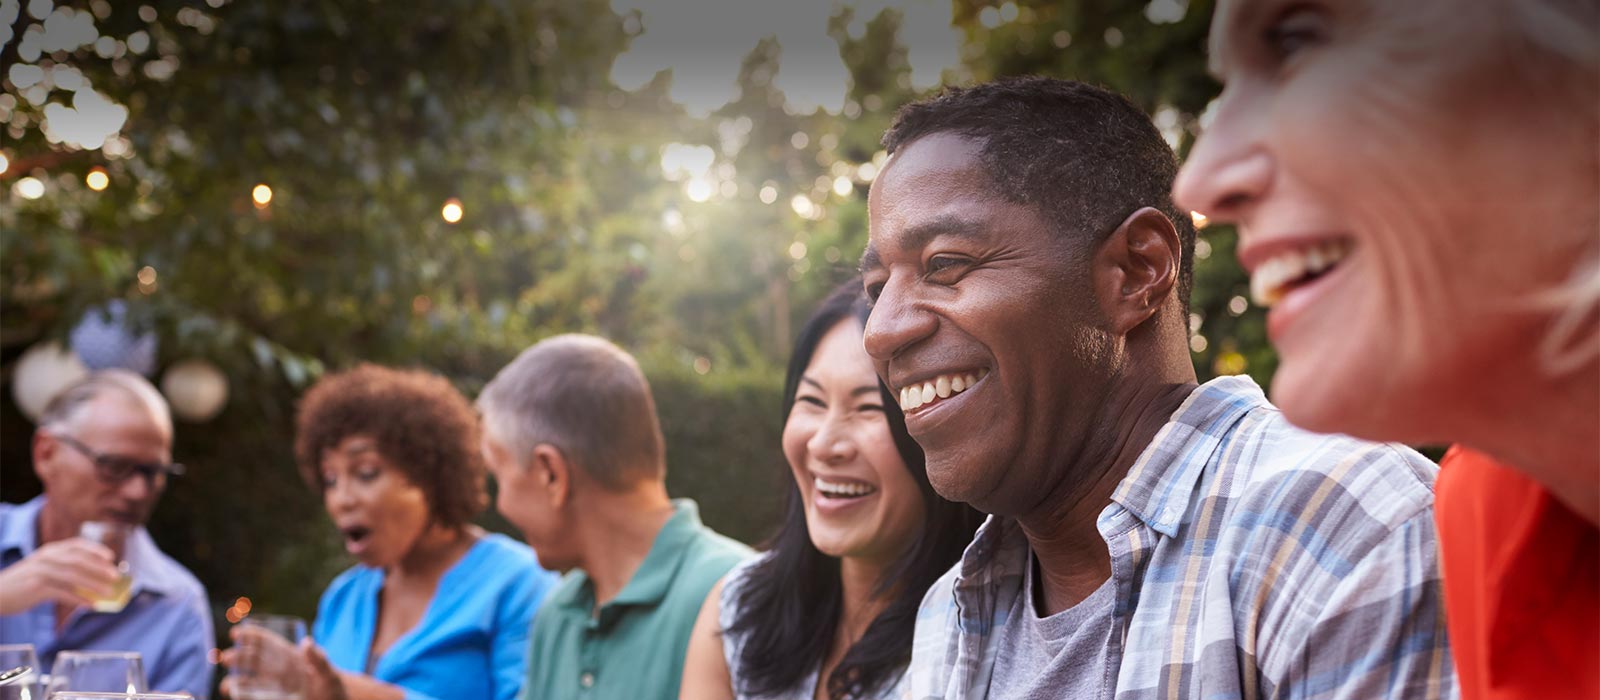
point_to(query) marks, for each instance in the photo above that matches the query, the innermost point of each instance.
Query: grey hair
(1560, 42)
(67, 405)
(586, 397)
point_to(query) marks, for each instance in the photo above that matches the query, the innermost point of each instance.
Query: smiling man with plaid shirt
(1149, 538)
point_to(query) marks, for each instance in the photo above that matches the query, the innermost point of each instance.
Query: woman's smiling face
(1404, 192)
(860, 498)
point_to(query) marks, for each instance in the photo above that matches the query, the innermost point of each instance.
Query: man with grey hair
(103, 451)
(571, 435)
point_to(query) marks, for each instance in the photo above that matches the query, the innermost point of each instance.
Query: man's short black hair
(1084, 155)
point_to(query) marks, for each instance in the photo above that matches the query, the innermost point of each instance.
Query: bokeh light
(261, 195)
(29, 188)
(452, 211)
(699, 189)
(97, 179)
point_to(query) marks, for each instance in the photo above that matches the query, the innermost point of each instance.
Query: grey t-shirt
(1065, 655)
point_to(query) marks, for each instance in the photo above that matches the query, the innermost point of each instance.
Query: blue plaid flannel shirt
(1251, 559)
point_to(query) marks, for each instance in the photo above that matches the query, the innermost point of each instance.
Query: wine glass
(75, 695)
(25, 686)
(98, 671)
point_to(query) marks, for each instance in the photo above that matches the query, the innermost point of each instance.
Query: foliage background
(365, 118)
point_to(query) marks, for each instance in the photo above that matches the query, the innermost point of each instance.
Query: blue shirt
(471, 643)
(167, 619)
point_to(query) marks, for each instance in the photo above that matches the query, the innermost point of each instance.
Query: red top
(1521, 583)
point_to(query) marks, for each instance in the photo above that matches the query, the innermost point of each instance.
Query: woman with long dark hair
(828, 611)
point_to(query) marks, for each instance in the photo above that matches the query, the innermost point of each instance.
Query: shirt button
(586, 680)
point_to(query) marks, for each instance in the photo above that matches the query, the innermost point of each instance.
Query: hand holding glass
(268, 663)
(115, 537)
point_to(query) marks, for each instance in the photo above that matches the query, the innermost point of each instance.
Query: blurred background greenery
(292, 187)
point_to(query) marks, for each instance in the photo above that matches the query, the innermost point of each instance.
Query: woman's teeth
(1273, 278)
(941, 387)
(833, 489)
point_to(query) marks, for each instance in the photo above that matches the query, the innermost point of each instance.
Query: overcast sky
(703, 42)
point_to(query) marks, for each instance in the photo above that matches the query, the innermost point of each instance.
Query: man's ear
(1136, 268)
(552, 472)
(44, 448)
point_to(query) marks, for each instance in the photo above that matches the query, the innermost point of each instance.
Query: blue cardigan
(471, 643)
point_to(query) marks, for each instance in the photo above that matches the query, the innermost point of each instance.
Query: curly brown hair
(422, 425)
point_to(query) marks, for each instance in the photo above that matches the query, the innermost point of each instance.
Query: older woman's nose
(1226, 174)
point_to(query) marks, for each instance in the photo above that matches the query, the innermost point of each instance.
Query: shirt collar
(654, 577)
(19, 527)
(1158, 486)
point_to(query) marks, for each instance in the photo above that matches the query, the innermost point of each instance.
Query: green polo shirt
(634, 649)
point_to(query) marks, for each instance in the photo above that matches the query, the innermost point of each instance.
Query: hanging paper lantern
(42, 372)
(196, 389)
(102, 341)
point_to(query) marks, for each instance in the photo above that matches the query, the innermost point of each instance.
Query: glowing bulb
(29, 188)
(452, 211)
(262, 195)
(97, 179)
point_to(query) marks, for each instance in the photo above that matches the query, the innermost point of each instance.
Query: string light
(97, 179)
(452, 211)
(262, 195)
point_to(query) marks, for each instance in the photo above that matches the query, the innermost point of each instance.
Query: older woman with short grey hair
(1417, 187)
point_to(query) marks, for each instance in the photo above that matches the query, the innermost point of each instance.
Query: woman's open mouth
(1297, 267)
(355, 537)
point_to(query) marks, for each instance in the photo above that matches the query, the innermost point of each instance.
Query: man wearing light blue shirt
(103, 453)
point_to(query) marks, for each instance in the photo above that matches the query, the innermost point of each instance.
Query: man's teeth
(941, 387)
(841, 490)
(1272, 278)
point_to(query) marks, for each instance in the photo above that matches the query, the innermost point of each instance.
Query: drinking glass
(115, 537)
(74, 695)
(98, 671)
(26, 686)
(269, 665)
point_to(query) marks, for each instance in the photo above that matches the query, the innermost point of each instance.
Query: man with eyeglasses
(103, 453)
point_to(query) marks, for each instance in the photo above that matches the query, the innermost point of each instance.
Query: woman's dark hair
(790, 604)
(421, 424)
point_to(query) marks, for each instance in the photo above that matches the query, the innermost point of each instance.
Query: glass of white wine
(114, 536)
(98, 671)
(269, 665)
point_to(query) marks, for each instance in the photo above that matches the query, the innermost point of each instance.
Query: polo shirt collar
(656, 573)
(1158, 487)
(650, 583)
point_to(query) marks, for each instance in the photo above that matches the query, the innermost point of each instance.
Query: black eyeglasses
(115, 469)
